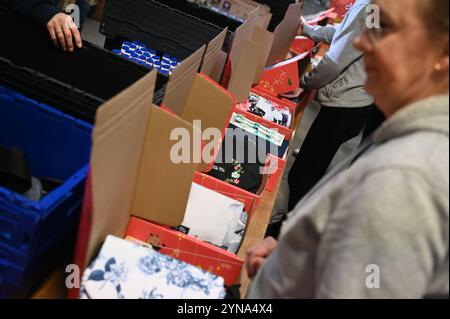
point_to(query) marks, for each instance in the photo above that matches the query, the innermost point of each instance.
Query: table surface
(258, 224)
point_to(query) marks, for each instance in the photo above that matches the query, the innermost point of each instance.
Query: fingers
(61, 40)
(68, 37)
(52, 32)
(77, 37)
(64, 33)
(75, 32)
(257, 255)
(254, 266)
(264, 249)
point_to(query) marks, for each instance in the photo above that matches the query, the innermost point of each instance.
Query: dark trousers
(333, 127)
(376, 119)
(323, 122)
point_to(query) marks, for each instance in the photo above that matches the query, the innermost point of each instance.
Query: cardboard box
(254, 48)
(301, 45)
(188, 249)
(244, 8)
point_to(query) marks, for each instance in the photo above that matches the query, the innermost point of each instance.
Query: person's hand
(64, 32)
(294, 94)
(258, 254)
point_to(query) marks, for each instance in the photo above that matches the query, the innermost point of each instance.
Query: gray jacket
(341, 75)
(390, 208)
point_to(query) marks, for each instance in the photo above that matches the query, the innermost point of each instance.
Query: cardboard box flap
(115, 161)
(212, 105)
(244, 68)
(285, 33)
(181, 80)
(219, 67)
(245, 31)
(118, 104)
(209, 103)
(264, 39)
(213, 56)
(164, 184)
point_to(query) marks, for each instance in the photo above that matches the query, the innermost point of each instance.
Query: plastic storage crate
(161, 27)
(76, 83)
(203, 13)
(34, 234)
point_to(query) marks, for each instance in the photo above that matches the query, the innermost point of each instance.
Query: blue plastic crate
(57, 146)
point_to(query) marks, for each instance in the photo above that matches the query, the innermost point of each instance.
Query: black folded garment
(14, 170)
(240, 161)
(15, 175)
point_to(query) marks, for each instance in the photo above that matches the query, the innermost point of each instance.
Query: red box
(302, 44)
(280, 80)
(283, 102)
(324, 15)
(275, 169)
(250, 200)
(188, 249)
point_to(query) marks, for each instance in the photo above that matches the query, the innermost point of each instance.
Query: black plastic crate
(203, 13)
(49, 91)
(76, 83)
(161, 27)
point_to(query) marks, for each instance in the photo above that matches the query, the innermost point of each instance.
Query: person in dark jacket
(61, 26)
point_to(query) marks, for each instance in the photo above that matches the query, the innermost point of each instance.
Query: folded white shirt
(215, 218)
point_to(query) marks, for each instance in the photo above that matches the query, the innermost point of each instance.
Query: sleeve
(85, 7)
(318, 33)
(39, 10)
(383, 240)
(341, 55)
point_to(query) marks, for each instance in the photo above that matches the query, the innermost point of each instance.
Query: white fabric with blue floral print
(125, 270)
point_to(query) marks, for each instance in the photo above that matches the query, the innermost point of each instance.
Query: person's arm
(341, 55)
(318, 33)
(387, 231)
(85, 7)
(63, 31)
(39, 10)
(389, 220)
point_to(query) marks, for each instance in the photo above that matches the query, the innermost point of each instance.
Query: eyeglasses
(376, 34)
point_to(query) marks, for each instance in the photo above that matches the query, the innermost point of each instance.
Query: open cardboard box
(132, 172)
(244, 8)
(254, 48)
(291, 106)
(302, 44)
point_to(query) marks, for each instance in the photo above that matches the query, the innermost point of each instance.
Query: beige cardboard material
(218, 70)
(264, 39)
(210, 104)
(130, 160)
(115, 161)
(243, 8)
(265, 22)
(285, 33)
(124, 100)
(180, 82)
(244, 69)
(245, 31)
(163, 186)
(213, 57)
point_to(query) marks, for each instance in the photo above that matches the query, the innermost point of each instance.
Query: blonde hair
(435, 16)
